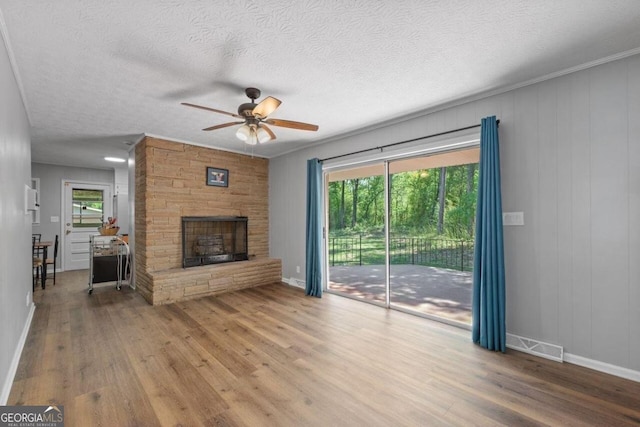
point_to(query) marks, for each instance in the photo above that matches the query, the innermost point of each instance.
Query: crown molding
(465, 99)
(197, 144)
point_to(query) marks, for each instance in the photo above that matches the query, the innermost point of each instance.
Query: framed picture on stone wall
(217, 177)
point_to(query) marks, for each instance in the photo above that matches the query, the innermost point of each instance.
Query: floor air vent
(298, 283)
(537, 348)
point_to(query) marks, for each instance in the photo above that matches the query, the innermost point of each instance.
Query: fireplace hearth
(213, 240)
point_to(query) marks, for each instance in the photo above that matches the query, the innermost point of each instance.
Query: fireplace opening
(213, 240)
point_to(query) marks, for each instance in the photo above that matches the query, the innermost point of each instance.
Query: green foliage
(369, 206)
(460, 217)
(414, 204)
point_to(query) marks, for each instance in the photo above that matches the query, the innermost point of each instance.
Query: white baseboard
(556, 353)
(8, 382)
(607, 368)
(545, 350)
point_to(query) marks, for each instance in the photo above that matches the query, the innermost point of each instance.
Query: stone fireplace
(213, 240)
(171, 191)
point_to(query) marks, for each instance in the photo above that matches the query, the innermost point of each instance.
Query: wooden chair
(52, 261)
(36, 262)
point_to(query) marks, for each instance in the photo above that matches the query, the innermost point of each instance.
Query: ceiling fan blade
(211, 109)
(269, 131)
(224, 125)
(291, 124)
(266, 107)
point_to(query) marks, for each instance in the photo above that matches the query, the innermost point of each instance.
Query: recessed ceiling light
(115, 159)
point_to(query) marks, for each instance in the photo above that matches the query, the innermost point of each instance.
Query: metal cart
(109, 260)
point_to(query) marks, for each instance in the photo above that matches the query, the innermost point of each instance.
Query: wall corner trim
(4, 34)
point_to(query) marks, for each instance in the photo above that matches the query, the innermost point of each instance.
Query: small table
(44, 246)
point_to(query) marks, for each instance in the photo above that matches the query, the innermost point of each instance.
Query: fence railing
(345, 250)
(359, 250)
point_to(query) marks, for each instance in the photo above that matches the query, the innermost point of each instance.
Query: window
(88, 208)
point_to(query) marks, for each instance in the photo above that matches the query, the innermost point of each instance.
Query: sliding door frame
(441, 146)
(387, 236)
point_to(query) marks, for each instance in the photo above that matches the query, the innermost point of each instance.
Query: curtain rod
(382, 147)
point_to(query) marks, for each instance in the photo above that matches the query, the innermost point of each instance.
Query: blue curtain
(488, 326)
(313, 276)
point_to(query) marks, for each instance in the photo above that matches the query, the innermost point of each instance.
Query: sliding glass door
(356, 238)
(424, 263)
(431, 222)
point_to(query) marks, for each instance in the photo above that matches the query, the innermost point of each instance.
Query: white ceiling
(97, 74)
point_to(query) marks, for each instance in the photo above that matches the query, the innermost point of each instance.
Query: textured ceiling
(97, 74)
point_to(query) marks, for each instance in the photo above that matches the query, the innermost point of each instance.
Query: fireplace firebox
(213, 240)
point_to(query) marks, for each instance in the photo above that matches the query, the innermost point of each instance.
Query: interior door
(86, 207)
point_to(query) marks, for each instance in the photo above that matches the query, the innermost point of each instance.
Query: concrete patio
(435, 291)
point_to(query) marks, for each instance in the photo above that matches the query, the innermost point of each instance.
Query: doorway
(424, 263)
(86, 207)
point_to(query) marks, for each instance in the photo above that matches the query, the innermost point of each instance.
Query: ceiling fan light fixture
(253, 138)
(244, 133)
(263, 135)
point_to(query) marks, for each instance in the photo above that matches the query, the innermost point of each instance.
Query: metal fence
(345, 250)
(445, 253)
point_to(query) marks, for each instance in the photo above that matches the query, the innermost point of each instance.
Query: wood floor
(271, 356)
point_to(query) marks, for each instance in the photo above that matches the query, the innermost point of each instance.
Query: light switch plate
(512, 218)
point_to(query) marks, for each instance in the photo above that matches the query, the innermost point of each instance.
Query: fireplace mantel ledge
(179, 284)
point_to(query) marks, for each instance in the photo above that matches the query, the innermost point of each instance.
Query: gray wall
(570, 151)
(51, 177)
(15, 245)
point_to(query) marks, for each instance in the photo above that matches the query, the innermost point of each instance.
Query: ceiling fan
(255, 119)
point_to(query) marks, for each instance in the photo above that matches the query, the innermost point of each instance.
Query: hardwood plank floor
(271, 356)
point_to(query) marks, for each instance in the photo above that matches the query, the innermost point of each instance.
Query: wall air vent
(537, 348)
